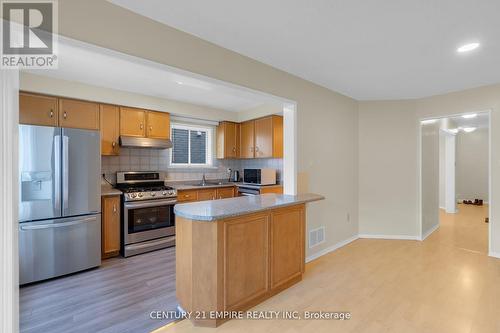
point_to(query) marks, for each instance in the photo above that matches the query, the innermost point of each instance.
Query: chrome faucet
(203, 181)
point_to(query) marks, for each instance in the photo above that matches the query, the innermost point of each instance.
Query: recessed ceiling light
(428, 121)
(453, 130)
(470, 115)
(468, 47)
(179, 83)
(469, 129)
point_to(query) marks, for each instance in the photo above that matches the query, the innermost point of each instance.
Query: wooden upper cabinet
(110, 225)
(247, 139)
(110, 129)
(132, 122)
(158, 125)
(37, 110)
(269, 137)
(78, 114)
(228, 140)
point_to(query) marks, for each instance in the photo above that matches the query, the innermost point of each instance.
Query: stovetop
(144, 185)
(146, 189)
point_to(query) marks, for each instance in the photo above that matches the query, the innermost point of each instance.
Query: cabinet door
(110, 225)
(246, 260)
(237, 128)
(37, 110)
(225, 192)
(287, 245)
(158, 125)
(277, 137)
(230, 140)
(187, 195)
(132, 122)
(264, 137)
(247, 139)
(78, 114)
(110, 129)
(207, 194)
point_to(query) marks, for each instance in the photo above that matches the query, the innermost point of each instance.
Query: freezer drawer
(52, 248)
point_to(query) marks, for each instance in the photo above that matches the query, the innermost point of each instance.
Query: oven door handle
(146, 204)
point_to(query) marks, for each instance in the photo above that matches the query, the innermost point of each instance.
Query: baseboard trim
(429, 232)
(401, 237)
(494, 254)
(331, 248)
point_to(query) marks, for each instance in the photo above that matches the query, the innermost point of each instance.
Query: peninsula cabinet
(234, 263)
(78, 114)
(228, 140)
(143, 123)
(110, 226)
(110, 129)
(37, 110)
(205, 194)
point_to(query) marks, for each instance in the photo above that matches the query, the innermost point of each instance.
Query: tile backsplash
(143, 159)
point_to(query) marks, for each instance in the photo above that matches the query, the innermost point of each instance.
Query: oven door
(148, 220)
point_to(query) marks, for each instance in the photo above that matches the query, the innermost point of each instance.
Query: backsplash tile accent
(143, 159)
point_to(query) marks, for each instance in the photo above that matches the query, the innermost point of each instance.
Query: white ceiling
(101, 67)
(388, 49)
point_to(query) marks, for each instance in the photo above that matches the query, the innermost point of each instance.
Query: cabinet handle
(65, 115)
(256, 149)
(234, 149)
(114, 209)
(113, 144)
(51, 113)
(141, 126)
(150, 128)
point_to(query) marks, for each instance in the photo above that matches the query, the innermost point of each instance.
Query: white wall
(442, 170)
(327, 121)
(472, 165)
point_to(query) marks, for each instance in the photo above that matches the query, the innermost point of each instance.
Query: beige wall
(260, 111)
(430, 176)
(472, 165)
(47, 85)
(388, 168)
(398, 151)
(327, 121)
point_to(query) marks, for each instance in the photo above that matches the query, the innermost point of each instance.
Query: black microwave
(263, 176)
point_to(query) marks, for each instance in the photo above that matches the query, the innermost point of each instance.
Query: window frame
(209, 145)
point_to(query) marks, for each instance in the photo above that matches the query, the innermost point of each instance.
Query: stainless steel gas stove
(148, 220)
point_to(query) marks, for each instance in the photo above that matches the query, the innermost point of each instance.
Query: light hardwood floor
(114, 298)
(445, 284)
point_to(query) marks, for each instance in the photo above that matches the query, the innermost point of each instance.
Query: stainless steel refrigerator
(59, 201)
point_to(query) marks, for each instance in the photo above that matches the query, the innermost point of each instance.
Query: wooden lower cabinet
(110, 226)
(234, 264)
(246, 260)
(225, 192)
(207, 194)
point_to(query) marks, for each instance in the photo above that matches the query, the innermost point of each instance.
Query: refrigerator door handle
(55, 225)
(65, 170)
(57, 172)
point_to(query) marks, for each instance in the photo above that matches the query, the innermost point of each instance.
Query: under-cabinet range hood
(137, 142)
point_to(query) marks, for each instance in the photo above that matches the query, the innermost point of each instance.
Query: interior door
(81, 172)
(39, 172)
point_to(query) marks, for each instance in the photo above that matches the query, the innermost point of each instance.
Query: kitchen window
(192, 146)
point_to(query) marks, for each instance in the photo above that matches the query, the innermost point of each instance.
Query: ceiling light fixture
(179, 83)
(468, 47)
(428, 121)
(469, 116)
(468, 129)
(453, 130)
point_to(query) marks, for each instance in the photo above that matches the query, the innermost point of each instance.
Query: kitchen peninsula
(232, 254)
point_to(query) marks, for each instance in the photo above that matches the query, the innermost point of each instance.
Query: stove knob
(171, 192)
(140, 195)
(164, 193)
(153, 194)
(131, 195)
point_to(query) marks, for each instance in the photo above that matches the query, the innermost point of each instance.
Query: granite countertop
(223, 208)
(107, 190)
(194, 185)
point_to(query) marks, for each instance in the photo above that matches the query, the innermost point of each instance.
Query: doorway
(455, 180)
